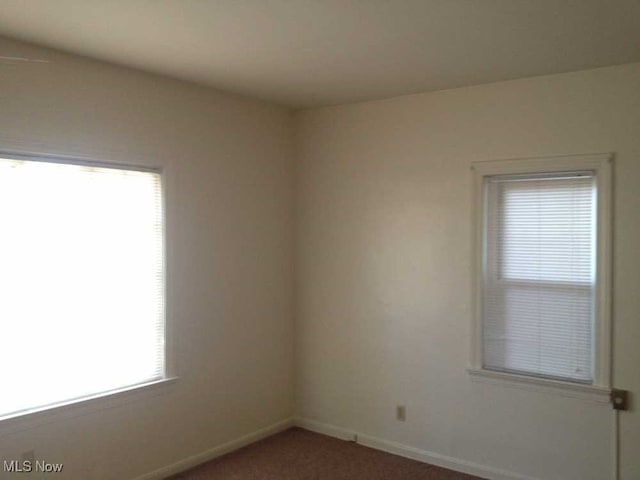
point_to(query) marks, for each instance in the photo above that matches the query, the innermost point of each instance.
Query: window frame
(601, 166)
(75, 407)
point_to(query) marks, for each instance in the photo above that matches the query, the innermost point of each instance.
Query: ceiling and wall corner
(311, 53)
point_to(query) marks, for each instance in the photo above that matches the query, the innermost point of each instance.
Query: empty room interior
(320, 239)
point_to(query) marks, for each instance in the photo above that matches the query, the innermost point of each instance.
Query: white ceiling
(305, 53)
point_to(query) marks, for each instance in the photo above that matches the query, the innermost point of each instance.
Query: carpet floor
(297, 454)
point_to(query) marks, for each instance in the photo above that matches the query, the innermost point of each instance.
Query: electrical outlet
(401, 413)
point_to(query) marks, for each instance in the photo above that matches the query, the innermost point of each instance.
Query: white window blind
(539, 278)
(81, 281)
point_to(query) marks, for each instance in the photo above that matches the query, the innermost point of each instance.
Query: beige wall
(384, 269)
(229, 169)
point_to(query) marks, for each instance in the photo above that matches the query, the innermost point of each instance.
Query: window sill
(83, 406)
(567, 389)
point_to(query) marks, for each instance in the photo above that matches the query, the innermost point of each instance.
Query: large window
(81, 281)
(542, 267)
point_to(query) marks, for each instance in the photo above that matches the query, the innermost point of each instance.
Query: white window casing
(83, 278)
(542, 242)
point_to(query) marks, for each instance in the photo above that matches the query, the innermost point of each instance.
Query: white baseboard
(432, 458)
(440, 460)
(195, 460)
(325, 429)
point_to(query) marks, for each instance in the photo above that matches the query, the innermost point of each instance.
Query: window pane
(546, 229)
(544, 330)
(539, 276)
(82, 281)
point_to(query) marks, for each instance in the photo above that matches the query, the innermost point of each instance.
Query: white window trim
(84, 406)
(601, 165)
(15, 148)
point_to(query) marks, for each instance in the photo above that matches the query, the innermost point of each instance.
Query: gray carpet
(297, 454)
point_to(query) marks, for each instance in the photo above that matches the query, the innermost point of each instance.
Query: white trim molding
(87, 155)
(544, 385)
(83, 406)
(326, 429)
(432, 458)
(218, 451)
(395, 448)
(440, 460)
(601, 165)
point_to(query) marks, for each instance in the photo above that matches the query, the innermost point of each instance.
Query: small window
(81, 279)
(542, 290)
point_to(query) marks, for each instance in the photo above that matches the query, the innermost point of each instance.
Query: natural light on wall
(82, 281)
